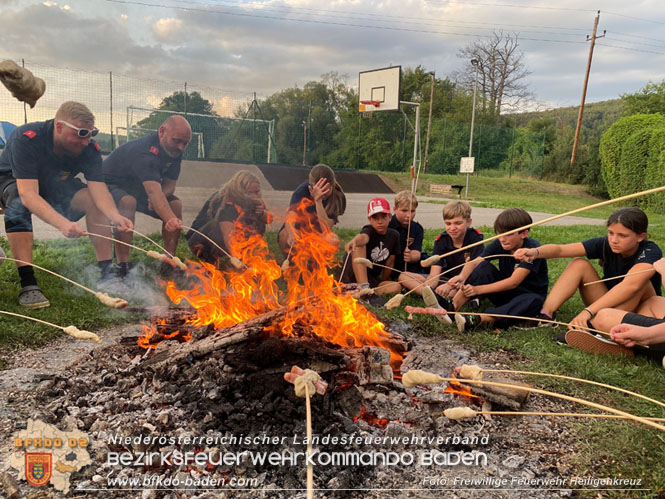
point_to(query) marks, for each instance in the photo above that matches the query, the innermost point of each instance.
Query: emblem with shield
(38, 468)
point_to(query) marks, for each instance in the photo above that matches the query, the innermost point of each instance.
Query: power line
(510, 5)
(372, 15)
(332, 23)
(633, 17)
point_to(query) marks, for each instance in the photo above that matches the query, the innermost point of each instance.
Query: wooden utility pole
(586, 82)
(429, 121)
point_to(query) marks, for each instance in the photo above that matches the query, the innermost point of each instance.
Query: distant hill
(604, 112)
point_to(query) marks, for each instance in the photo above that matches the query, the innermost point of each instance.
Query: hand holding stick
(234, 261)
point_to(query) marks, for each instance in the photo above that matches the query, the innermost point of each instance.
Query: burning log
(373, 366)
(507, 396)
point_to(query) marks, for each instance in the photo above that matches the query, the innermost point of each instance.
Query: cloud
(166, 30)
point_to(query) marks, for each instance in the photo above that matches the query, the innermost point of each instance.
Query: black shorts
(18, 218)
(120, 191)
(640, 320)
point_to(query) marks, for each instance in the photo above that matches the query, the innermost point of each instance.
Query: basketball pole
(414, 180)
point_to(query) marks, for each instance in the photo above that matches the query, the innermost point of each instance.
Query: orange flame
(313, 298)
(457, 389)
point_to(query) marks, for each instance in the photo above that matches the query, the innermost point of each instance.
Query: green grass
(489, 192)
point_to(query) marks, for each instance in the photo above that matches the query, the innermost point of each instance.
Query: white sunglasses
(82, 132)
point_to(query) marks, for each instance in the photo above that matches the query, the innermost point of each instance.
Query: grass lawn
(606, 448)
(490, 192)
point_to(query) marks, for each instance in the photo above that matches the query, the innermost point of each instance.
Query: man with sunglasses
(142, 176)
(38, 170)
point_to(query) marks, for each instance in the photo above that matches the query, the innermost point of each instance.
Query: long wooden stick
(234, 261)
(118, 241)
(310, 470)
(619, 276)
(560, 414)
(70, 330)
(557, 395)
(536, 320)
(143, 236)
(556, 217)
(366, 262)
(396, 300)
(51, 272)
(103, 297)
(580, 380)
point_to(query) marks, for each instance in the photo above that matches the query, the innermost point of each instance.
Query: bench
(445, 189)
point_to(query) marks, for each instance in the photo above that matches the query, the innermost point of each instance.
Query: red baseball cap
(378, 205)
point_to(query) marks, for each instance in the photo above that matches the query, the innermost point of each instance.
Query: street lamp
(474, 63)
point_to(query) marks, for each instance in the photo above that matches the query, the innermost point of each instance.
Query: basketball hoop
(371, 104)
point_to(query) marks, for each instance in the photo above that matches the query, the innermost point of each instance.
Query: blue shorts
(19, 219)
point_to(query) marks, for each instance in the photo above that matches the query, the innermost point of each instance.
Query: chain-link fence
(240, 126)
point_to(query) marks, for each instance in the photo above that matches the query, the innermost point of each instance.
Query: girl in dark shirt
(624, 250)
(327, 203)
(239, 200)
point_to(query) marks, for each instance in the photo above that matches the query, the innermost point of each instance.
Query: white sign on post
(466, 165)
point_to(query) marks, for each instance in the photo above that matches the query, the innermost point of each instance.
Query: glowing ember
(313, 299)
(372, 420)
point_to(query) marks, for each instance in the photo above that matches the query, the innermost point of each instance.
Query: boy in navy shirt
(515, 288)
(380, 245)
(410, 238)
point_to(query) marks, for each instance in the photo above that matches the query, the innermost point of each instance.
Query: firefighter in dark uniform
(38, 171)
(142, 176)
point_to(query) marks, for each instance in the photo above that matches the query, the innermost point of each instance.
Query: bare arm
(168, 186)
(28, 189)
(385, 274)
(357, 241)
(160, 205)
(626, 289)
(227, 228)
(550, 251)
(319, 191)
(104, 201)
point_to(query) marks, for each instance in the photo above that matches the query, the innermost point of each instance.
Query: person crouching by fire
(378, 243)
(327, 204)
(238, 200)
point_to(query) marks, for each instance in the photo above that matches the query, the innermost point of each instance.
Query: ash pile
(223, 395)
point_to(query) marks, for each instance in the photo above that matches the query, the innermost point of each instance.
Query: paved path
(199, 180)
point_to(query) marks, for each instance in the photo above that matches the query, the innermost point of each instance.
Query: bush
(612, 145)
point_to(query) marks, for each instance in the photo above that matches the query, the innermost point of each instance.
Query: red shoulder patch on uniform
(30, 134)
(96, 146)
(154, 150)
(477, 231)
(438, 237)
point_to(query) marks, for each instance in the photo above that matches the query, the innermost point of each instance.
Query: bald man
(142, 175)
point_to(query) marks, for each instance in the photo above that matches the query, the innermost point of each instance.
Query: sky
(266, 46)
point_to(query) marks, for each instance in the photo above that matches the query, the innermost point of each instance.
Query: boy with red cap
(379, 244)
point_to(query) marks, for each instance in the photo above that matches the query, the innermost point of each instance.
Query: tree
(192, 102)
(210, 127)
(651, 99)
(501, 72)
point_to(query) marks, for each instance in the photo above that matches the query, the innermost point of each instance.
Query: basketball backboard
(379, 89)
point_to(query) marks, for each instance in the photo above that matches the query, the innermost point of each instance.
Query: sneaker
(474, 305)
(591, 343)
(445, 302)
(430, 301)
(538, 322)
(32, 297)
(544, 318)
(123, 269)
(560, 338)
(468, 323)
